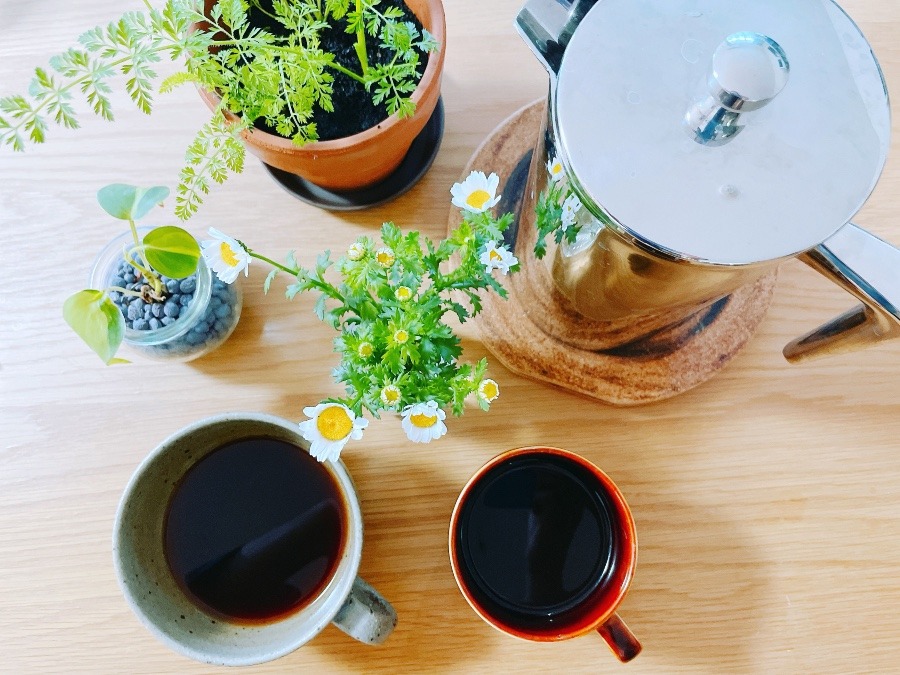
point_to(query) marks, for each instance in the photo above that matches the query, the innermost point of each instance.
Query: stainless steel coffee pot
(694, 145)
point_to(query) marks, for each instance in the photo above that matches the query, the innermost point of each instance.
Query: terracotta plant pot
(363, 159)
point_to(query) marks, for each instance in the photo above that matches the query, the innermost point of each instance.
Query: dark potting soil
(353, 108)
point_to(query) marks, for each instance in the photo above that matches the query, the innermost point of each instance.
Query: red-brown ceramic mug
(543, 547)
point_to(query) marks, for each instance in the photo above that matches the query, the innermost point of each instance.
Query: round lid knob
(748, 71)
(722, 132)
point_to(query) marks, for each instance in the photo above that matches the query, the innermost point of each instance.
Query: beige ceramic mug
(150, 588)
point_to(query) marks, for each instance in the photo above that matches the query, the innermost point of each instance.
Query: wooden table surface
(767, 501)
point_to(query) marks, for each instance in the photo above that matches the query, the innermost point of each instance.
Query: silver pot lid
(722, 131)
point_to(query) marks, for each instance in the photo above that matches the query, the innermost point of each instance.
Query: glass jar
(203, 324)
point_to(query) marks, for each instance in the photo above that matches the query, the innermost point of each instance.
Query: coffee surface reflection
(536, 542)
(255, 530)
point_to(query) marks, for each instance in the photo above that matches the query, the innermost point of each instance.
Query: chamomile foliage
(389, 305)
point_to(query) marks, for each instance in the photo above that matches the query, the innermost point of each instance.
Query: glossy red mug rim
(623, 571)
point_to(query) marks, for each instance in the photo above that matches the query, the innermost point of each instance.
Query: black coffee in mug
(255, 530)
(536, 542)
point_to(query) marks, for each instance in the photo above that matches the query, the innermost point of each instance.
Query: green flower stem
(321, 286)
(260, 256)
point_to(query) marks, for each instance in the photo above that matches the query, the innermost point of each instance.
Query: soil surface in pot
(353, 108)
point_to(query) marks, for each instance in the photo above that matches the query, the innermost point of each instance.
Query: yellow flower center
(385, 257)
(390, 395)
(494, 255)
(423, 421)
(334, 423)
(478, 198)
(490, 390)
(365, 350)
(401, 336)
(228, 255)
(404, 293)
(557, 168)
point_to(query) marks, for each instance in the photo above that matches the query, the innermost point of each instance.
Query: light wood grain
(767, 501)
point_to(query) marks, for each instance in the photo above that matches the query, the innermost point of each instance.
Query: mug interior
(152, 591)
(599, 606)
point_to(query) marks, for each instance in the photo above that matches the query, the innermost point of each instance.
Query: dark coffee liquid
(535, 541)
(255, 530)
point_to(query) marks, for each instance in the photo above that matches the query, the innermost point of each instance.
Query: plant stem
(337, 66)
(123, 291)
(143, 265)
(74, 83)
(361, 40)
(259, 256)
(320, 286)
(349, 73)
(258, 6)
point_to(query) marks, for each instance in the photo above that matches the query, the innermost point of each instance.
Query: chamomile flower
(403, 293)
(423, 422)
(570, 209)
(401, 337)
(384, 257)
(477, 193)
(496, 257)
(555, 169)
(488, 390)
(356, 251)
(390, 395)
(225, 256)
(329, 428)
(365, 349)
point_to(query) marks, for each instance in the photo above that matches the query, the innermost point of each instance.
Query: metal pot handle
(868, 268)
(548, 25)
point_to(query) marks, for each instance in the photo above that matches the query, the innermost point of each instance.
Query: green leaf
(97, 321)
(127, 202)
(171, 251)
(267, 284)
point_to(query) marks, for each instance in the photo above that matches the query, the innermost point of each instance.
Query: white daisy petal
(423, 422)
(570, 210)
(329, 428)
(495, 257)
(225, 256)
(555, 169)
(477, 193)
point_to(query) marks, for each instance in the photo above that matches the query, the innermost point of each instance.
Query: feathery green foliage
(260, 76)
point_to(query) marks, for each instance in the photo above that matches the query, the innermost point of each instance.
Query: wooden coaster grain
(536, 334)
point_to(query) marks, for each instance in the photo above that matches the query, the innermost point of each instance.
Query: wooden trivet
(523, 330)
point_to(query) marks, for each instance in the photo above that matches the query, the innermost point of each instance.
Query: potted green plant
(151, 289)
(398, 354)
(265, 68)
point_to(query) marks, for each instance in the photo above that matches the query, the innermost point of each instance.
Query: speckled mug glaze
(153, 595)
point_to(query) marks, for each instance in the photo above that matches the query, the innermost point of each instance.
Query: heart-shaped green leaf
(171, 251)
(128, 202)
(97, 321)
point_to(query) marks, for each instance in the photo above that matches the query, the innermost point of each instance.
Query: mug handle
(866, 267)
(365, 615)
(620, 639)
